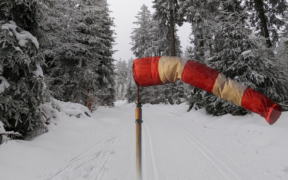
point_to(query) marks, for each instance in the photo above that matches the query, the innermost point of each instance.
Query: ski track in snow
(112, 148)
(155, 171)
(175, 143)
(77, 159)
(222, 167)
(89, 157)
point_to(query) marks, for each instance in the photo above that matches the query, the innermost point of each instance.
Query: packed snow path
(176, 145)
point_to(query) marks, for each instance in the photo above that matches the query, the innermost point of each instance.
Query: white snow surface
(2, 130)
(244, 53)
(39, 71)
(22, 36)
(3, 84)
(176, 145)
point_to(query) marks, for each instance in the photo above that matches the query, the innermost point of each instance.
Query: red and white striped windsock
(150, 71)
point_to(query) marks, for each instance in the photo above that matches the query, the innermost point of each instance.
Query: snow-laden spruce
(23, 37)
(121, 79)
(229, 46)
(79, 57)
(21, 80)
(141, 36)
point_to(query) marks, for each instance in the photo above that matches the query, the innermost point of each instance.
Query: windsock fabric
(150, 71)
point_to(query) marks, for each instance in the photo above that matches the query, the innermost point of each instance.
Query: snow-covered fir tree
(106, 69)
(238, 56)
(266, 17)
(198, 13)
(131, 92)
(160, 40)
(121, 79)
(141, 37)
(166, 13)
(166, 43)
(68, 58)
(282, 49)
(22, 87)
(282, 53)
(79, 57)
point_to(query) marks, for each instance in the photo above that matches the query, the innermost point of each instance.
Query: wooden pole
(138, 117)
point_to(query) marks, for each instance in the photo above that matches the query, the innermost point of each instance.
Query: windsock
(150, 71)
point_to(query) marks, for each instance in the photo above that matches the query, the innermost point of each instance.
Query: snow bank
(55, 109)
(5, 133)
(68, 137)
(71, 109)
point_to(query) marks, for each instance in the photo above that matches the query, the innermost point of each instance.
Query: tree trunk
(200, 40)
(259, 7)
(172, 34)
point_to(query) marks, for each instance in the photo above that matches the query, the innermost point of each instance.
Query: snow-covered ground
(176, 145)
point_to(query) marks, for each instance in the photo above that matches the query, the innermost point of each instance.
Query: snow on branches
(23, 36)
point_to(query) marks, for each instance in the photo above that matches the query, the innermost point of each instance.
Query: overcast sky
(124, 12)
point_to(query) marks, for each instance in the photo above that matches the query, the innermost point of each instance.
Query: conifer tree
(282, 50)
(131, 93)
(160, 40)
(69, 56)
(121, 79)
(199, 13)
(166, 13)
(79, 57)
(141, 39)
(22, 87)
(106, 69)
(166, 17)
(267, 18)
(240, 58)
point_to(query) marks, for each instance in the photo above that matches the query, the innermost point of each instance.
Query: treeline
(60, 49)
(243, 39)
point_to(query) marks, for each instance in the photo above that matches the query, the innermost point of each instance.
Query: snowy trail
(193, 158)
(172, 149)
(176, 145)
(170, 153)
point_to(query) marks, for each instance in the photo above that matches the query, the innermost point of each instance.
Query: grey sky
(124, 13)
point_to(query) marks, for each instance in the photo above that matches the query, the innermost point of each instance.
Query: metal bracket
(138, 121)
(139, 105)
